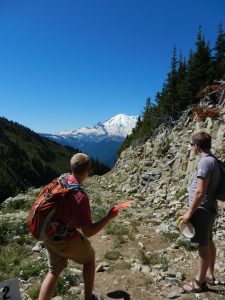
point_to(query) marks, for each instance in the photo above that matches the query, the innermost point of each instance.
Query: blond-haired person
(74, 245)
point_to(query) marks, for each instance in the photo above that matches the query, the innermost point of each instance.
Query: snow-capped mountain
(120, 125)
(100, 141)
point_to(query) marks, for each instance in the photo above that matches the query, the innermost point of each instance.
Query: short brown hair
(80, 162)
(202, 139)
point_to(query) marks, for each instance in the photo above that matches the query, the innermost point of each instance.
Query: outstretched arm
(92, 229)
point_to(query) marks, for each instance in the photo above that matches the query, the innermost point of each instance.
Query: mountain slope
(100, 141)
(143, 248)
(28, 159)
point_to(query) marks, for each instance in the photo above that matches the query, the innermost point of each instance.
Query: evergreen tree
(184, 80)
(172, 93)
(181, 83)
(98, 168)
(220, 54)
(146, 120)
(199, 69)
(168, 98)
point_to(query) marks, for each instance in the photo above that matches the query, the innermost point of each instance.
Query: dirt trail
(135, 260)
(120, 280)
(136, 285)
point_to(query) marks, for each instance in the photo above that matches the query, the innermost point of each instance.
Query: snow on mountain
(100, 141)
(120, 125)
(85, 131)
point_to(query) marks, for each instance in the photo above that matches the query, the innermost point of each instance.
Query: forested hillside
(27, 159)
(183, 86)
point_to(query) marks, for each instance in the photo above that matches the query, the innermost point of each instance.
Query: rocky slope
(159, 170)
(141, 255)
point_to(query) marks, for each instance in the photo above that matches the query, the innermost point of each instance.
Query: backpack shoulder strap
(72, 187)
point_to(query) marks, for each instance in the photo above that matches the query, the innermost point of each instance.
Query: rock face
(156, 174)
(161, 169)
(153, 257)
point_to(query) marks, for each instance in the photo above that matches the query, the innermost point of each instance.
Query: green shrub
(30, 269)
(33, 292)
(154, 259)
(13, 205)
(120, 265)
(148, 280)
(112, 255)
(98, 212)
(119, 241)
(21, 202)
(186, 244)
(65, 282)
(3, 231)
(116, 229)
(145, 258)
(9, 230)
(10, 261)
(123, 265)
(170, 236)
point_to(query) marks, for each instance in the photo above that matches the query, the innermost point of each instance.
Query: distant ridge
(100, 141)
(27, 159)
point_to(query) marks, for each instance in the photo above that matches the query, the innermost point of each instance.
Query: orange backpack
(43, 214)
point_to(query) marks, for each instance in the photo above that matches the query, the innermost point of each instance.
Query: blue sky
(65, 64)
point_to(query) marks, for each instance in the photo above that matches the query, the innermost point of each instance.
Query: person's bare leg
(202, 269)
(89, 276)
(48, 286)
(212, 259)
(204, 261)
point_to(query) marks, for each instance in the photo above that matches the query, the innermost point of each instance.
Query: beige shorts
(78, 250)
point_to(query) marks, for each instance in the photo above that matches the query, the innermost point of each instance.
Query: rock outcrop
(162, 168)
(156, 174)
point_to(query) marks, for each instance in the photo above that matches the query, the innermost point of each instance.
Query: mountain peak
(100, 141)
(120, 125)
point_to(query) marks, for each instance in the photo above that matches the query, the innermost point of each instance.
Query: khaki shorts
(78, 250)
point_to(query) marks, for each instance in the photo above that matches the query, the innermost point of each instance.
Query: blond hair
(79, 163)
